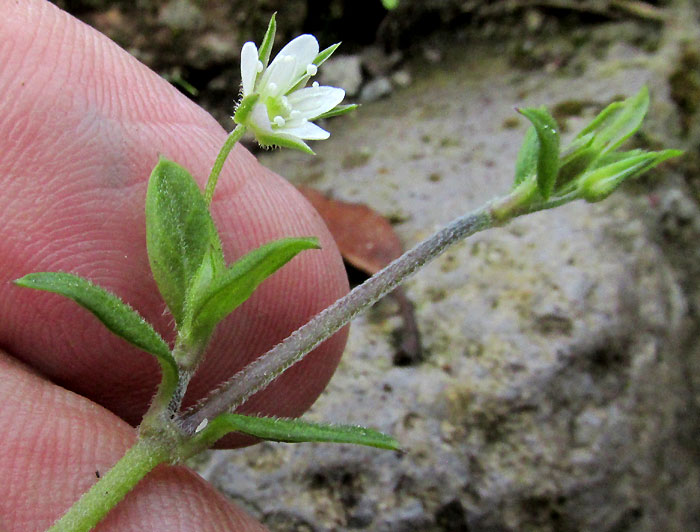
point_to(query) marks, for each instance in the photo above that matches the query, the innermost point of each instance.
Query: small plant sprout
(200, 288)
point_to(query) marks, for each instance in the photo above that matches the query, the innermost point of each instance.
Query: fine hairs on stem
(268, 367)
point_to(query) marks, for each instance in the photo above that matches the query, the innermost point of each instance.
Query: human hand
(81, 126)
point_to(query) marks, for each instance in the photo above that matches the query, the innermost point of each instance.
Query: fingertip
(82, 124)
(56, 445)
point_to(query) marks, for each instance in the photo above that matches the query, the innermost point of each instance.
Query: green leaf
(390, 4)
(268, 41)
(618, 121)
(237, 284)
(116, 315)
(575, 159)
(548, 154)
(526, 163)
(296, 431)
(338, 111)
(325, 54)
(599, 183)
(179, 233)
(580, 143)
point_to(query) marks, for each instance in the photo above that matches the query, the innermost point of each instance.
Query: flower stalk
(231, 141)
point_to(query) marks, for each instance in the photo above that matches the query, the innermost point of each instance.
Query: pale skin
(81, 126)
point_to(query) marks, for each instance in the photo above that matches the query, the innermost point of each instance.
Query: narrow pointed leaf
(548, 155)
(179, 233)
(325, 54)
(618, 121)
(599, 183)
(338, 111)
(238, 283)
(115, 314)
(268, 41)
(581, 142)
(296, 431)
(526, 163)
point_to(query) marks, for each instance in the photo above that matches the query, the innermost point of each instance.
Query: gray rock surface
(343, 71)
(555, 394)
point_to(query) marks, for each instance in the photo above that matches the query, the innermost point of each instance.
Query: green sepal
(526, 163)
(115, 314)
(325, 54)
(179, 234)
(318, 60)
(548, 154)
(244, 108)
(575, 159)
(618, 121)
(267, 140)
(338, 111)
(232, 287)
(598, 183)
(294, 431)
(268, 41)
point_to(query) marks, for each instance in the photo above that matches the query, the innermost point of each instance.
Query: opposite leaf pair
(187, 261)
(590, 167)
(188, 265)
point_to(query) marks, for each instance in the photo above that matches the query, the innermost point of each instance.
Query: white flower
(276, 104)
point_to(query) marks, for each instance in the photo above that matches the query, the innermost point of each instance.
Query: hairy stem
(268, 367)
(231, 141)
(107, 492)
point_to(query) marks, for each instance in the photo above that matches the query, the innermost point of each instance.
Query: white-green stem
(268, 367)
(258, 375)
(109, 490)
(231, 141)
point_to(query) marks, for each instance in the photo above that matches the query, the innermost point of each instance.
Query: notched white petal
(279, 77)
(304, 48)
(249, 67)
(314, 101)
(259, 119)
(308, 131)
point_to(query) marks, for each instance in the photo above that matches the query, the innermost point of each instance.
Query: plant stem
(268, 367)
(106, 493)
(231, 141)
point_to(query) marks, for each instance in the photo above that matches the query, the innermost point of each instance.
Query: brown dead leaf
(368, 242)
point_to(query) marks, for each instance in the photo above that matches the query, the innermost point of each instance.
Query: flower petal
(304, 48)
(249, 67)
(280, 76)
(306, 130)
(314, 101)
(258, 119)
